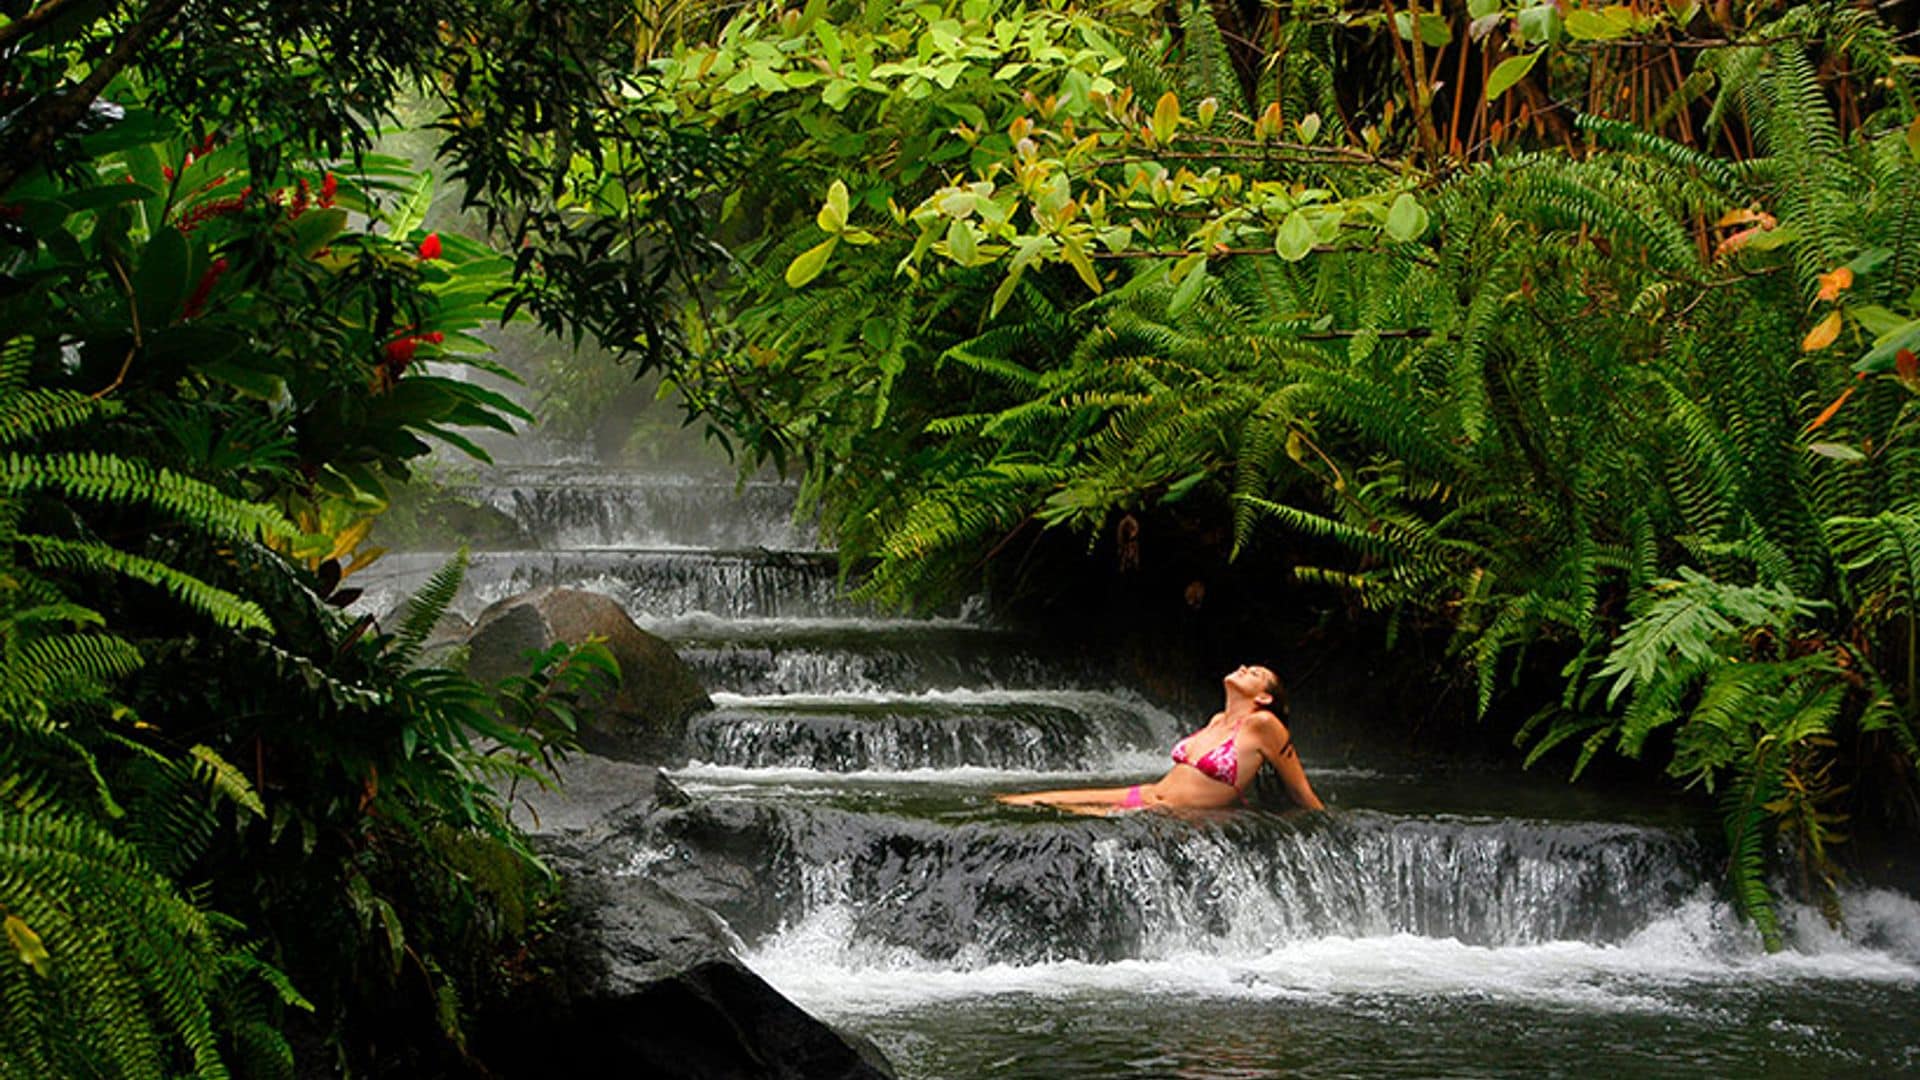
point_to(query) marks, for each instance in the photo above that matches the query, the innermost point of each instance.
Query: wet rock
(597, 799)
(642, 982)
(449, 634)
(646, 985)
(646, 718)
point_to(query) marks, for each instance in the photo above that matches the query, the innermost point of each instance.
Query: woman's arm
(1276, 745)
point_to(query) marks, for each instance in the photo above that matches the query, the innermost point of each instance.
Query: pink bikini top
(1221, 763)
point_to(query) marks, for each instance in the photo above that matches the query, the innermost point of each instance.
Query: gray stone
(644, 983)
(596, 799)
(645, 719)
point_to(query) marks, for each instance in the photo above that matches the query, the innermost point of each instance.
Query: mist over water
(1433, 922)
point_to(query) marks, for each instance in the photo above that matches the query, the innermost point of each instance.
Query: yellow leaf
(349, 538)
(1166, 116)
(33, 951)
(1823, 335)
(807, 265)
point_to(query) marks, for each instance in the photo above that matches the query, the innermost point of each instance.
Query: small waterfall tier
(571, 508)
(1045, 731)
(933, 894)
(649, 583)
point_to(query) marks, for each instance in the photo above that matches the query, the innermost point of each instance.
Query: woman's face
(1252, 680)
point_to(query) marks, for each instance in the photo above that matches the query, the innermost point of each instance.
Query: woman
(1213, 766)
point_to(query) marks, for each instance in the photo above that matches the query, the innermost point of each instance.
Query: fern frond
(116, 481)
(217, 604)
(426, 607)
(30, 413)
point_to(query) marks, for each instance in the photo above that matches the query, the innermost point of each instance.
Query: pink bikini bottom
(1133, 801)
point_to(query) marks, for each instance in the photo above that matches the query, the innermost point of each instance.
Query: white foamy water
(1128, 766)
(820, 963)
(708, 625)
(960, 698)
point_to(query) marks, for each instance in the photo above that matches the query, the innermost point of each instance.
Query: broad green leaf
(1480, 9)
(105, 195)
(1326, 223)
(412, 210)
(1877, 320)
(1187, 265)
(1190, 286)
(1308, 127)
(960, 242)
(1511, 71)
(1586, 24)
(1005, 292)
(1886, 348)
(1166, 117)
(832, 217)
(1837, 451)
(1539, 24)
(1076, 256)
(1294, 239)
(252, 381)
(1408, 219)
(316, 229)
(161, 282)
(1435, 32)
(807, 265)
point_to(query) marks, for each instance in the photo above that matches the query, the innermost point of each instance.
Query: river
(1441, 919)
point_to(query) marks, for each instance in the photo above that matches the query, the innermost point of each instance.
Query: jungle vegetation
(1583, 335)
(1580, 334)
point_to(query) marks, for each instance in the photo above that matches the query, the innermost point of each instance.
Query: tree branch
(46, 118)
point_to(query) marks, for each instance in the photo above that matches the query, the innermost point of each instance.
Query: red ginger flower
(197, 301)
(430, 247)
(329, 188)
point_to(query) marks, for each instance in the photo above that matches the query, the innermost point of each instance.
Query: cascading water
(1430, 924)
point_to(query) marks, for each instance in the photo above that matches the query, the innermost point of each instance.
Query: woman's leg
(1076, 798)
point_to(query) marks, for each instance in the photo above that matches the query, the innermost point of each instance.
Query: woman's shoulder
(1269, 725)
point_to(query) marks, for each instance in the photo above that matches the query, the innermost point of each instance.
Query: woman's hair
(1274, 687)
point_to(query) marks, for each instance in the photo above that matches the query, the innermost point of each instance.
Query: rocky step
(1023, 887)
(652, 584)
(817, 658)
(1037, 730)
(570, 509)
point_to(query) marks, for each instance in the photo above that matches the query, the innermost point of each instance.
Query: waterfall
(841, 821)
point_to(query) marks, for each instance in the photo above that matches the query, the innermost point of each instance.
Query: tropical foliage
(234, 818)
(1583, 334)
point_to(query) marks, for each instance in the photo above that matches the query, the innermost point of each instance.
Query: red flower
(434, 336)
(300, 199)
(328, 189)
(430, 247)
(197, 302)
(400, 350)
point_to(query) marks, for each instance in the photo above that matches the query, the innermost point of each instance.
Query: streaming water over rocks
(1434, 922)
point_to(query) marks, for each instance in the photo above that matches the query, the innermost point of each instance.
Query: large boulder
(645, 719)
(639, 981)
